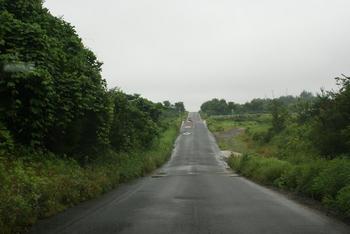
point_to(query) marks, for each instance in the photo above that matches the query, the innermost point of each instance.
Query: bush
(326, 181)
(264, 170)
(40, 185)
(342, 201)
(300, 178)
(334, 176)
(58, 122)
(6, 141)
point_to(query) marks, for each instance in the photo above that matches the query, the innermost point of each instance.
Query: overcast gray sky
(195, 50)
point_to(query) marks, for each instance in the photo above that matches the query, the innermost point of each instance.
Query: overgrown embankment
(64, 137)
(327, 181)
(302, 148)
(39, 185)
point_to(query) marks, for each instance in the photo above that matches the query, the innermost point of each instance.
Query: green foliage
(322, 123)
(307, 149)
(342, 201)
(244, 133)
(256, 105)
(52, 93)
(300, 178)
(334, 176)
(264, 170)
(303, 109)
(134, 121)
(215, 126)
(41, 185)
(215, 107)
(332, 120)
(6, 141)
(180, 107)
(279, 116)
(326, 181)
(64, 138)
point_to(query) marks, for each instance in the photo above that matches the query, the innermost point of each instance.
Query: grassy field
(237, 133)
(41, 185)
(286, 161)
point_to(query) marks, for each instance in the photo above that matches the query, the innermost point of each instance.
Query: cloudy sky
(195, 50)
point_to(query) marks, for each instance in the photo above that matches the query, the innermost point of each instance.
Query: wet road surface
(193, 193)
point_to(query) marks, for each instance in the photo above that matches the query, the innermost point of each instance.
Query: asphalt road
(193, 193)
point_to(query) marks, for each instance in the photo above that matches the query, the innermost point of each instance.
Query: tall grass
(327, 181)
(287, 160)
(41, 185)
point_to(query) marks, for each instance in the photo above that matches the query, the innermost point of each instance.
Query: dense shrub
(306, 147)
(300, 178)
(279, 116)
(334, 176)
(6, 141)
(264, 170)
(137, 120)
(326, 181)
(52, 93)
(331, 120)
(342, 201)
(59, 125)
(41, 185)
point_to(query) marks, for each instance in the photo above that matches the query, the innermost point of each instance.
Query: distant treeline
(52, 95)
(257, 105)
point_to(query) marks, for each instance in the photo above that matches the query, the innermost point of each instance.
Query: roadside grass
(250, 129)
(237, 144)
(327, 181)
(41, 185)
(255, 122)
(287, 161)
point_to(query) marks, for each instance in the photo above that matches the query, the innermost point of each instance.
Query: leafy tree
(134, 122)
(304, 107)
(215, 107)
(167, 104)
(51, 91)
(52, 95)
(180, 107)
(233, 107)
(279, 115)
(305, 95)
(331, 122)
